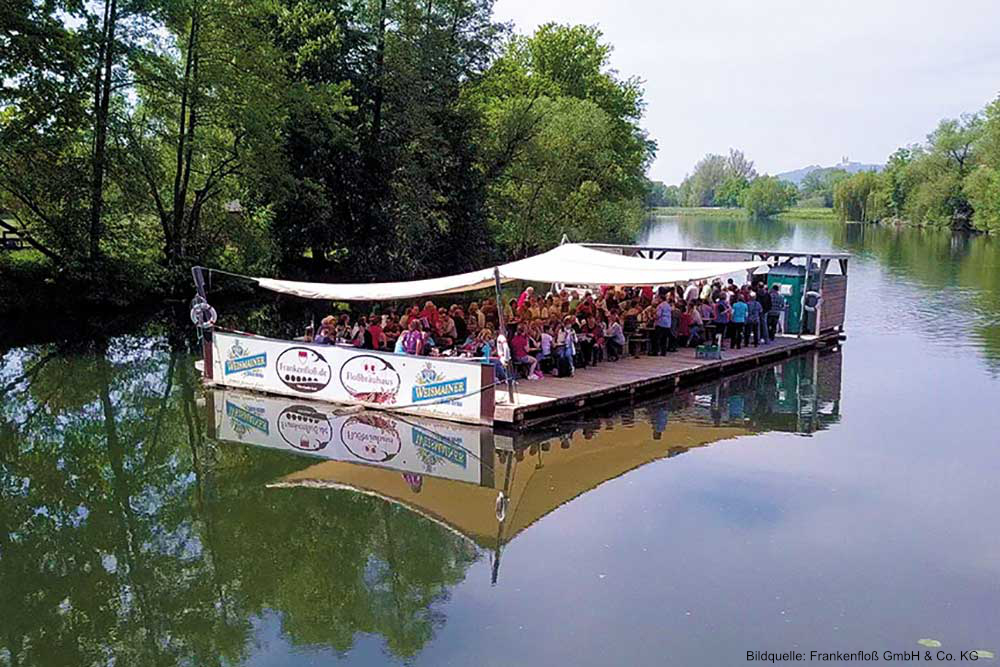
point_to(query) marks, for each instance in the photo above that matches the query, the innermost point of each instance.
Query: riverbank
(818, 214)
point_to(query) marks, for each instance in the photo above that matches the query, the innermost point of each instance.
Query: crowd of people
(569, 329)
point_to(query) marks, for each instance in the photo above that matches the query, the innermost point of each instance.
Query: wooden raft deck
(551, 398)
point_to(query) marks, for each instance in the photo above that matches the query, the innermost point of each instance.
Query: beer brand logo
(371, 438)
(305, 428)
(241, 361)
(243, 420)
(432, 385)
(433, 447)
(370, 379)
(303, 369)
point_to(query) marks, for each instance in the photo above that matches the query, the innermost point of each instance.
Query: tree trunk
(102, 103)
(379, 71)
(185, 134)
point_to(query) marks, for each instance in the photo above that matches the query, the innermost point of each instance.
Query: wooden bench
(636, 343)
(521, 368)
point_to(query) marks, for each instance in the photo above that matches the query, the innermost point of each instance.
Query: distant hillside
(796, 176)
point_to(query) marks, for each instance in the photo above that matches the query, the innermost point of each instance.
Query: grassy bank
(821, 214)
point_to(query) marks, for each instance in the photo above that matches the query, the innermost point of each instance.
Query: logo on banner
(241, 361)
(432, 385)
(303, 369)
(243, 420)
(371, 438)
(370, 379)
(304, 427)
(433, 448)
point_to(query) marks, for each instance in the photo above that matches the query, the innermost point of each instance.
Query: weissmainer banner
(415, 446)
(432, 386)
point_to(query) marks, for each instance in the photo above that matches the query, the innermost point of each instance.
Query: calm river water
(838, 501)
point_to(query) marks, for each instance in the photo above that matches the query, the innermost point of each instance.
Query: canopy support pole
(198, 273)
(199, 280)
(503, 332)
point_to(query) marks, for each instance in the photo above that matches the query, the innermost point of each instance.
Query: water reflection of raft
(400, 443)
(453, 473)
(537, 479)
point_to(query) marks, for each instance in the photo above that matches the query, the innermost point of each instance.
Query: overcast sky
(791, 82)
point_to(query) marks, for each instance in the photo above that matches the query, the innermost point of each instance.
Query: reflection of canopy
(533, 491)
(569, 263)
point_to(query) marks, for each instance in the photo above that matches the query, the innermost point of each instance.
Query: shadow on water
(144, 519)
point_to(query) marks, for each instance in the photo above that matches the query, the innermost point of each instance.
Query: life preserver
(501, 506)
(810, 301)
(203, 315)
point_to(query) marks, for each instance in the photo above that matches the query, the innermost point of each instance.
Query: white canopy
(570, 263)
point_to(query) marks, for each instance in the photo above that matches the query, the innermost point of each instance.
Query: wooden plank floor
(547, 399)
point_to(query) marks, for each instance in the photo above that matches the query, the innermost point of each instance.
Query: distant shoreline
(792, 214)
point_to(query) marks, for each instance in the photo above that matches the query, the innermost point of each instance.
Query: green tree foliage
(660, 194)
(817, 187)
(708, 176)
(387, 186)
(768, 195)
(563, 151)
(718, 180)
(857, 197)
(950, 180)
(982, 187)
(732, 192)
(382, 139)
(203, 118)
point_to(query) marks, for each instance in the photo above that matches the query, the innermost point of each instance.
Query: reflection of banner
(412, 445)
(433, 386)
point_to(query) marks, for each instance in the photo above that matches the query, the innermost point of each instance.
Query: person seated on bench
(545, 343)
(615, 339)
(519, 350)
(697, 325)
(593, 329)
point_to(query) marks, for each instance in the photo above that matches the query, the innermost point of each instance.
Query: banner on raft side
(412, 445)
(432, 386)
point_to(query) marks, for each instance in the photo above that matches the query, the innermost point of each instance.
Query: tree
(898, 179)
(388, 184)
(659, 194)
(732, 192)
(982, 187)
(714, 174)
(708, 176)
(739, 167)
(43, 108)
(203, 118)
(562, 149)
(929, 179)
(856, 199)
(768, 195)
(818, 185)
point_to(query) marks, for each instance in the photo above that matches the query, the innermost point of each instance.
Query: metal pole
(198, 273)
(503, 331)
(199, 280)
(824, 264)
(507, 478)
(805, 289)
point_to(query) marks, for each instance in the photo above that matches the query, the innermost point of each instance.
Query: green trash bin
(791, 280)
